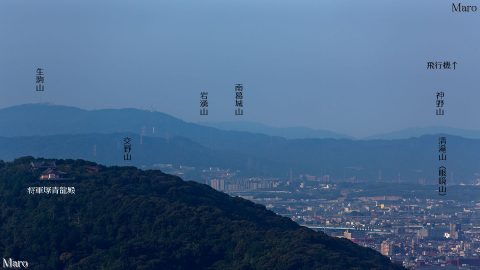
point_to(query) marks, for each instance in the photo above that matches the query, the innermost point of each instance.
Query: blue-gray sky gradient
(355, 67)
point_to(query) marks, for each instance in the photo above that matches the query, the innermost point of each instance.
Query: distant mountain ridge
(65, 132)
(31, 120)
(48, 119)
(405, 160)
(285, 132)
(422, 131)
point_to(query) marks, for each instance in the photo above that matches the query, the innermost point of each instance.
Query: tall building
(455, 230)
(347, 235)
(422, 233)
(218, 184)
(386, 248)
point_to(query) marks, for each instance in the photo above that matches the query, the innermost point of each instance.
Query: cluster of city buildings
(413, 230)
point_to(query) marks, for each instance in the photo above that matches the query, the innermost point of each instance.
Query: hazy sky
(356, 67)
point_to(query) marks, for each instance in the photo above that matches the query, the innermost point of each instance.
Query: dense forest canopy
(126, 218)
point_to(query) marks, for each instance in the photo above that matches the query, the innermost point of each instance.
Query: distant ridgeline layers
(125, 218)
(100, 136)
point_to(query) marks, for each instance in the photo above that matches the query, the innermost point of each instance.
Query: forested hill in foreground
(125, 218)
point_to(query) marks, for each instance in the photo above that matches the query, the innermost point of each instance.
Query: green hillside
(125, 218)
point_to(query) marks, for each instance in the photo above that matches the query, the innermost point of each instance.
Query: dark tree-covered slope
(125, 218)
